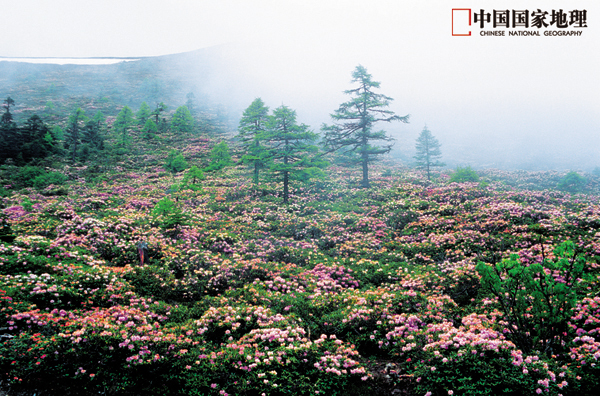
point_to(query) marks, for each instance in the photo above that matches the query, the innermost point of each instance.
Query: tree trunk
(365, 166)
(74, 154)
(365, 155)
(286, 178)
(286, 192)
(256, 166)
(365, 161)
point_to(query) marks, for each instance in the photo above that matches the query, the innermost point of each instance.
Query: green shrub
(151, 281)
(168, 216)
(32, 176)
(47, 179)
(27, 205)
(463, 175)
(537, 299)
(175, 162)
(164, 207)
(220, 158)
(121, 151)
(572, 182)
(26, 175)
(192, 179)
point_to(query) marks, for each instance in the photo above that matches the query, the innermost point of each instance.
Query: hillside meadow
(409, 287)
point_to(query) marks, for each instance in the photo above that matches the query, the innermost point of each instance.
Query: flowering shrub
(537, 300)
(343, 291)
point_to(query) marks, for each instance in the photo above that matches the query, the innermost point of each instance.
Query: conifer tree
(143, 114)
(9, 134)
(182, 121)
(192, 178)
(251, 133)
(123, 123)
(100, 120)
(91, 135)
(220, 157)
(190, 103)
(7, 115)
(36, 140)
(160, 107)
(428, 152)
(150, 129)
(73, 135)
(354, 122)
(291, 148)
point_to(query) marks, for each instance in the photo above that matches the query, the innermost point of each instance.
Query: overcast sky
(494, 91)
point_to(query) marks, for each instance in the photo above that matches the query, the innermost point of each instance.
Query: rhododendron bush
(408, 286)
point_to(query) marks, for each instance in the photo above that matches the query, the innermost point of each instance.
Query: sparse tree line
(288, 150)
(275, 142)
(279, 144)
(272, 142)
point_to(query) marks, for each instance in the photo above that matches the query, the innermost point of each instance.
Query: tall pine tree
(91, 136)
(36, 140)
(182, 120)
(100, 120)
(123, 123)
(160, 107)
(251, 134)
(428, 152)
(190, 103)
(149, 129)
(291, 148)
(354, 123)
(9, 134)
(7, 115)
(143, 114)
(74, 132)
